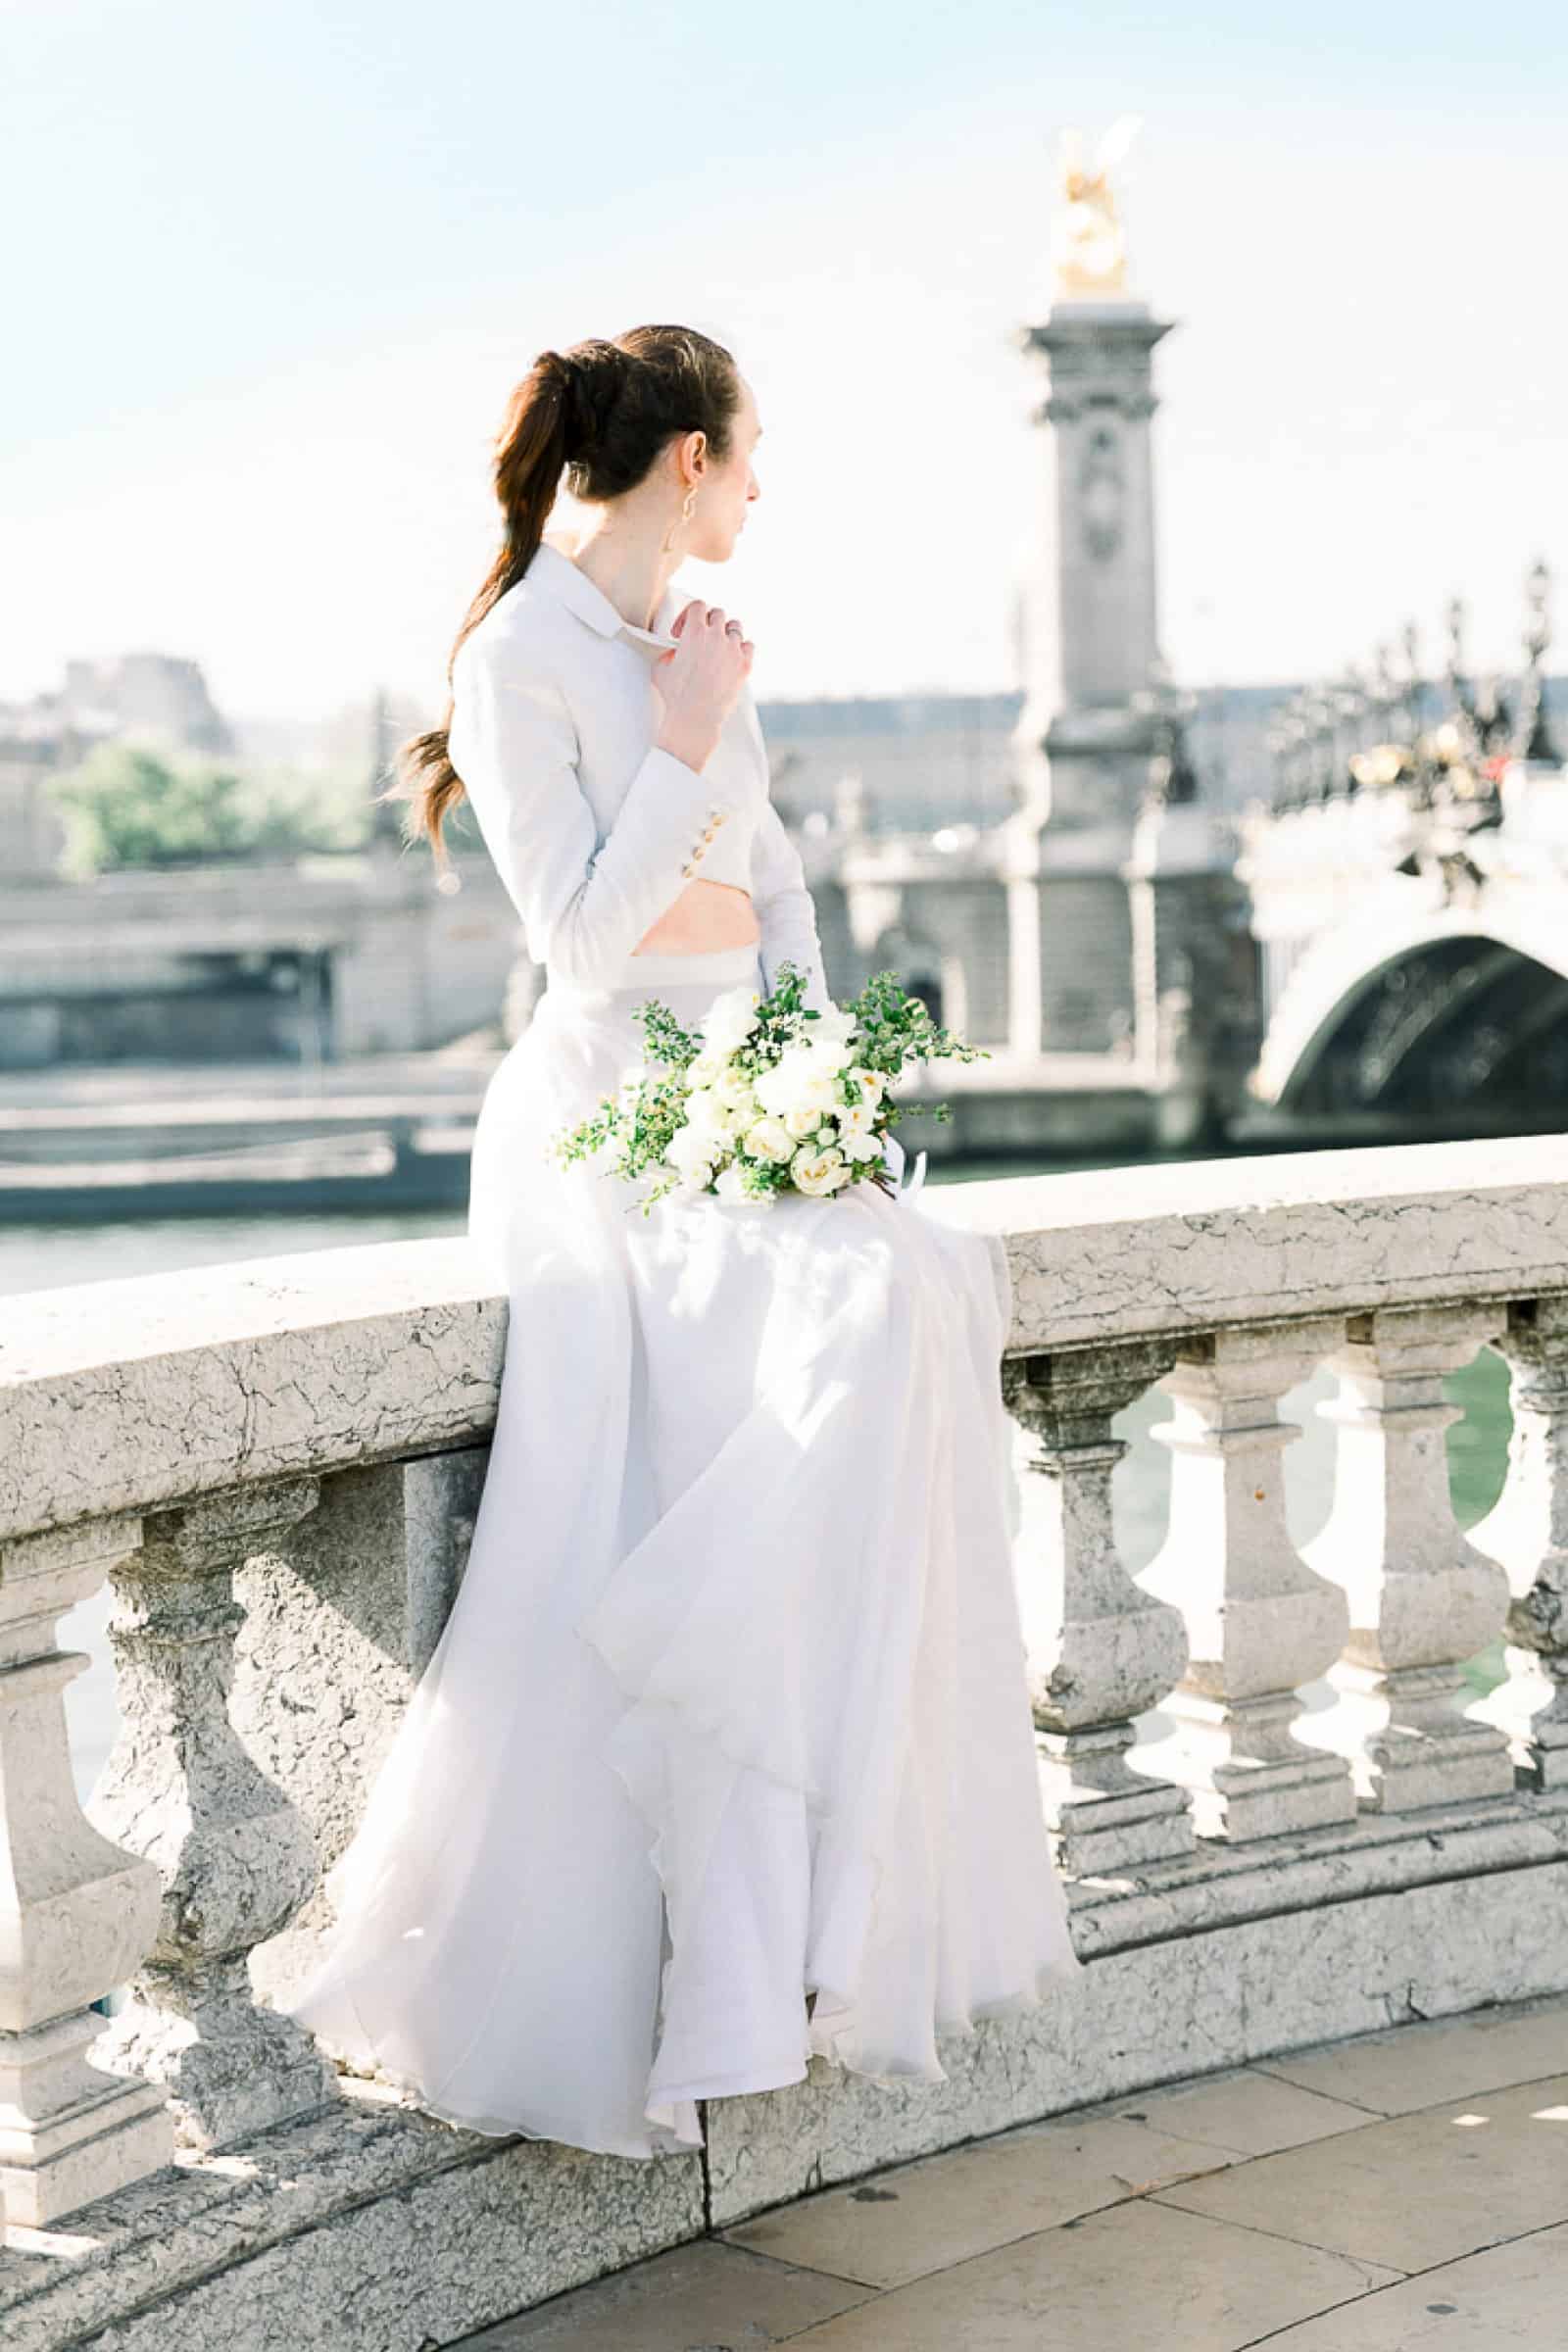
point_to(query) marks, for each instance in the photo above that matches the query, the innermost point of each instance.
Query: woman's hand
(700, 680)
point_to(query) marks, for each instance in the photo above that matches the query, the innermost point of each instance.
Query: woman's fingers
(706, 668)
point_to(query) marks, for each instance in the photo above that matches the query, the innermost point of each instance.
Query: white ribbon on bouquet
(895, 1159)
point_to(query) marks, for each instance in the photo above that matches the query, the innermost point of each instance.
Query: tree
(129, 806)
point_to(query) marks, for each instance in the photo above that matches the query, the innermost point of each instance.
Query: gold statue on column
(1088, 242)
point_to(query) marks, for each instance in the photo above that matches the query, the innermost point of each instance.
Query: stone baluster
(77, 1914)
(236, 1859)
(346, 1635)
(1527, 1534)
(1259, 1621)
(1108, 1651)
(1423, 1599)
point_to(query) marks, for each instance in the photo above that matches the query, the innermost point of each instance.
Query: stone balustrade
(276, 1467)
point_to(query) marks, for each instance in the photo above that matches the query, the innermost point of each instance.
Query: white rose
(708, 1068)
(690, 1149)
(830, 1043)
(817, 1171)
(830, 1063)
(775, 1088)
(862, 1146)
(856, 1118)
(730, 1020)
(710, 1115)
(801, 1123)
(833, 1021)
(800, 1081)
(734, 1091)
(771, 1140)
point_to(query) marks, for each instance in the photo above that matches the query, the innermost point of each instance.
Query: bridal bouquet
(767, 1096)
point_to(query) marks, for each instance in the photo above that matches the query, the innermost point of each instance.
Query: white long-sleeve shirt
(593, 828)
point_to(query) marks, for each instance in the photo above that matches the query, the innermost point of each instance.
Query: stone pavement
(1404, 2193)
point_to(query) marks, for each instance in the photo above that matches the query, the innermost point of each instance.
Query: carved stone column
(332, 1650)
(1114, 1650)
(237, 1861)
(1527, 1534)
(1260, 1622)
(1423, 1599)
(77, 1914)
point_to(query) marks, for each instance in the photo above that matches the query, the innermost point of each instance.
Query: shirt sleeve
(584, 903)
(785, 912)
(785, 909)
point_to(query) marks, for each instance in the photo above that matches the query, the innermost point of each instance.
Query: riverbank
(387, 1132)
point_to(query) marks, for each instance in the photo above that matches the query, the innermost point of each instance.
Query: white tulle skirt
(731, 1703)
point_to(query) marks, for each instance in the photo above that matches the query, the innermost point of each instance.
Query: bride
(724, 1756)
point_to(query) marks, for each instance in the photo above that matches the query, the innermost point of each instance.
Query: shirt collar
(554, 567)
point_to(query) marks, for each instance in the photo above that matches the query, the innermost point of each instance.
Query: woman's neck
(633, 574)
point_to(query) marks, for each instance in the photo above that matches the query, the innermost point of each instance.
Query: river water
(38, 1256)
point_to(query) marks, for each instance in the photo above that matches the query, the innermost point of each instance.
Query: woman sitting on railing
(725, 1755)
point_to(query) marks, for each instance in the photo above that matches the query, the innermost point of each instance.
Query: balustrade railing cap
(115, 1397)
(1123, 1252)
(45, 1333)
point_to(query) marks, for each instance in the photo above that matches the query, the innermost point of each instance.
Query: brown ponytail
(603, 412)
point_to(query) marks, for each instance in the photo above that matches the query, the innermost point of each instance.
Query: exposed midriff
(706, 914)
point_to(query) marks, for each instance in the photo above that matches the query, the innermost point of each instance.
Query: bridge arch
(1431, 1011)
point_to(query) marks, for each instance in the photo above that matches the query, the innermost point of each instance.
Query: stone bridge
(1409, 1008)
(1284, 1814)
(1408, 885)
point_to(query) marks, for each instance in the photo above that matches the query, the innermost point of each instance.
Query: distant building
(31, 829)
(277, 957)
(298, 960)
(915, 761)
(160, 700)
(919, 762)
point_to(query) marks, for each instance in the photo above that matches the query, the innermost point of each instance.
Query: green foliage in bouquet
(769, 1097)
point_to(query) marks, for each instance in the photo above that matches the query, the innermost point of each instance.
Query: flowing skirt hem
(832, 2031)
(360, 2053)
(674, 2133)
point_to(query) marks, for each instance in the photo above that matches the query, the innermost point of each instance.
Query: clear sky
(271, 270)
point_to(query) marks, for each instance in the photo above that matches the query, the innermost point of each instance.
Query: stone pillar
(1115, 1650)
(1527, 1534)
(1423, 1599)
(76, 1913)
(1089, 653)
(346, 1629)
(1088, 605)
(1260, 1622)
(1025, 963)
(236, 1859)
